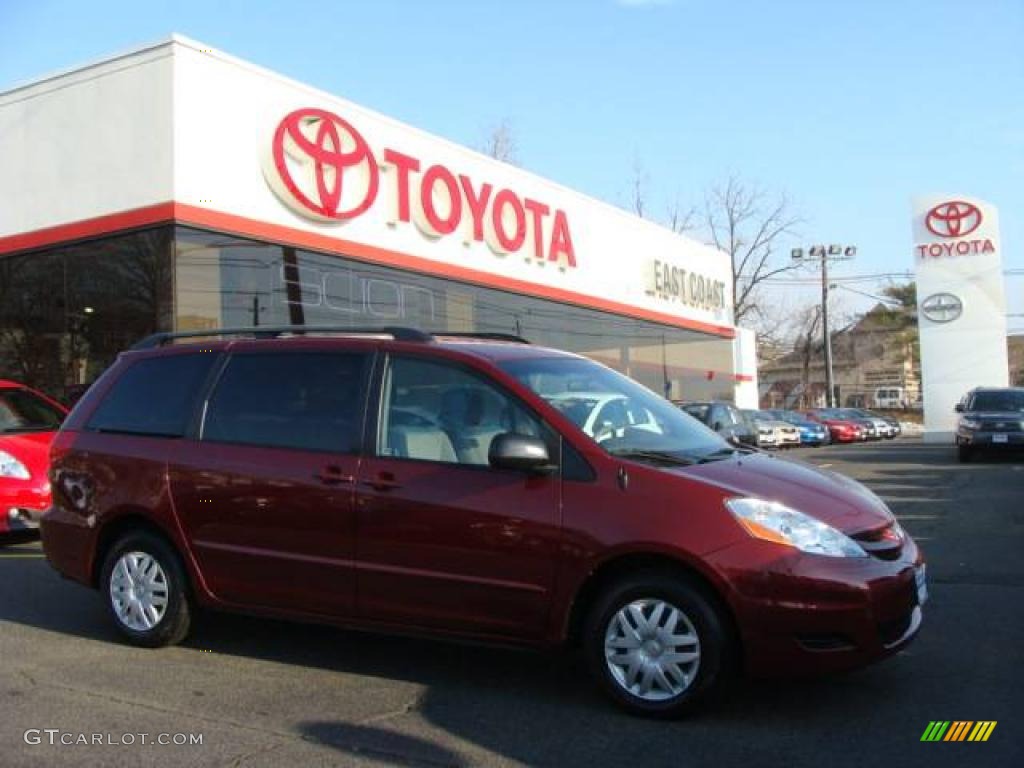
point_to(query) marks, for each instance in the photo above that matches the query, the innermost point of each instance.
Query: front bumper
(22, 503)
(995, 440)
(807, 614)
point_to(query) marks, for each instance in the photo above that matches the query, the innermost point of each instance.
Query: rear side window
(308, 401)
(153, 397)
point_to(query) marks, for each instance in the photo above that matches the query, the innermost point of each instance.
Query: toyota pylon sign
(961, 304)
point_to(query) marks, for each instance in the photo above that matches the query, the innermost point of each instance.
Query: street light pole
(824, 255)
(829, 380)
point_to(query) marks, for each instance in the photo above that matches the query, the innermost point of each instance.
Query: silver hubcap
(138, 591)
(652, 650)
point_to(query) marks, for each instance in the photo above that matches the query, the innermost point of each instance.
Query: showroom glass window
(226, 281)
(66, 312)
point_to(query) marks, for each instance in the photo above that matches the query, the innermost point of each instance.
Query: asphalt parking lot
(267, 693)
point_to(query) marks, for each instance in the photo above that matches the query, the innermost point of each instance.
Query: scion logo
(321, 166)
(953, 219)
(942, 307)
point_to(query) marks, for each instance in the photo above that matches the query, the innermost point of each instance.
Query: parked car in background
(884, 427)
(725, 418)
(868, 429)
(437, 484)
(990, 419)
(28, 422)
(841, 430)
(811, 433)
(785, 435)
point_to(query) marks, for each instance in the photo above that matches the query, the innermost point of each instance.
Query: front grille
(825, 642)
(1001, 426)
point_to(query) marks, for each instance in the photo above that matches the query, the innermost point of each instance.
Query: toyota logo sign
(942, 307)
(955, 218)
(321, 166)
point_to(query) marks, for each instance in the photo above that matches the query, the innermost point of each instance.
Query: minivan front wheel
(145, 590)
(657, 645)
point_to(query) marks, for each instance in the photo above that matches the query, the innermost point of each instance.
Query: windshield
(24, 411)
(1009, 400)
(620, 415)
(698, 410)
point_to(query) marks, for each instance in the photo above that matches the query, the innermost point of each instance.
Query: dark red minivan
(469, 486)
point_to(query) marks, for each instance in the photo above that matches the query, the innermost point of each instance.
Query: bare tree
(679, 218)
(808, 345)
(747, 223)
(500, 143)
(639, 188)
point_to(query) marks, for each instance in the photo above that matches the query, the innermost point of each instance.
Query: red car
(841, 430)
(28, 422)
(470, 487)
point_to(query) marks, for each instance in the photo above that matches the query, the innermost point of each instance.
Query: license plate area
(1000, 438)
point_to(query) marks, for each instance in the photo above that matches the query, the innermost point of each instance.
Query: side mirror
(718, 426)
(959, 407)
(519, 452)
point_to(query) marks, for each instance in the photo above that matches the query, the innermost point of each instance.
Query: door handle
(383, 483)
(333, 476)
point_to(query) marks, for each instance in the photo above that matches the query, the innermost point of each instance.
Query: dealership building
(174, 187)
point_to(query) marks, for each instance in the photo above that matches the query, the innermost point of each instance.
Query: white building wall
(745, 364)
(87, 143)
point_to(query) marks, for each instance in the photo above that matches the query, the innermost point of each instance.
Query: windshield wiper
(662, 456)
(717, 455)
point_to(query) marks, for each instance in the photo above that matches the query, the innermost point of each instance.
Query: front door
(266, 493)
(443, 540)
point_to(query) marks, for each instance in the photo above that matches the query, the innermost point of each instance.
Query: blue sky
(847, 107)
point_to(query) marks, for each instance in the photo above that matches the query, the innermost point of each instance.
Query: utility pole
(824, 254)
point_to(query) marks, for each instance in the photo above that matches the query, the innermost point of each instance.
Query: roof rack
(483, 335)
(276, 331)
(398, 333)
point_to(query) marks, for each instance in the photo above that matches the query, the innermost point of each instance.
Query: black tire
(172, 627)
(964, 453)
(717, 663)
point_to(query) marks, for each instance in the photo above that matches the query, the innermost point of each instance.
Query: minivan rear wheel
(657, 644)
(144, 586)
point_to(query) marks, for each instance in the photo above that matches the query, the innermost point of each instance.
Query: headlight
(772, 521)
(11, 467)
(970, 423)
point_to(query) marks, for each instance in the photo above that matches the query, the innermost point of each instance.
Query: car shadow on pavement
(535, 708)
(368, 741)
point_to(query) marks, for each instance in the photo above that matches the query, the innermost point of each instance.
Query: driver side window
(437, 412)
